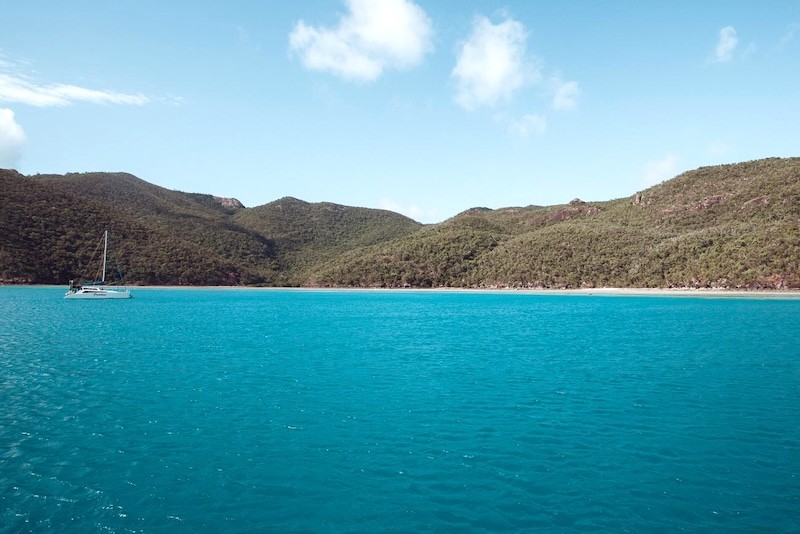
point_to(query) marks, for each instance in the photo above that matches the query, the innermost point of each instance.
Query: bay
(366, 411)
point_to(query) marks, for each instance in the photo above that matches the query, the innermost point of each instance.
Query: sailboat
(97, 290)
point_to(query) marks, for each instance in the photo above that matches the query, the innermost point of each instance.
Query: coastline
(787, 294)
(771, 294)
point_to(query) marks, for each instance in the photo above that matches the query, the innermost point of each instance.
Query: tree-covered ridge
(49, 226)
(307, 234)
(735, 226)
(724, 226)
(297, 225)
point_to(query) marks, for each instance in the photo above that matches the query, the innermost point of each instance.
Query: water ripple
(317, 411)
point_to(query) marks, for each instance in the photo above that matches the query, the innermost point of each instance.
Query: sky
(423, 107)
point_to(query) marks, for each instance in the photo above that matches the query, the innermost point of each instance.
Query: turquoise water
(304, 411)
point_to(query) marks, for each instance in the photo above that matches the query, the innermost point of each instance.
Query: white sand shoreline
(791, 294)
(604, 291)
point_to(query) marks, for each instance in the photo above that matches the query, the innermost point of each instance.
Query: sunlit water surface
(270, 410)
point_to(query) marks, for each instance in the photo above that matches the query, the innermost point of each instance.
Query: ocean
(218, 410)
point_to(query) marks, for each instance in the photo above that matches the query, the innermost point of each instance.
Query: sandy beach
(588, 292)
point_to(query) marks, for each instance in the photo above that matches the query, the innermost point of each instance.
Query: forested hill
(734, 226)
(50, 226)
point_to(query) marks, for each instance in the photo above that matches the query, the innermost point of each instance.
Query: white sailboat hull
(95, 293)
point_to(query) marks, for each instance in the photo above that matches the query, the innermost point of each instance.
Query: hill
(307, 234)
(733, 226)
(50, 224)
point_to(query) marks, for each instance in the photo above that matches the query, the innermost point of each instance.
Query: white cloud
(528, 124)
(565, 94)
(749, 51)
(374, 35)
(726, 44)
(657, 171)
(12, 139)
(14, 88)
(413, 211)
(788, 37)
(492, 63)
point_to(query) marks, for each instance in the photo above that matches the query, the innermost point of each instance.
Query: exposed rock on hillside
(231, 203)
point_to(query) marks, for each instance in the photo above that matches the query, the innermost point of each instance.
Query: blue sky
(427, 108)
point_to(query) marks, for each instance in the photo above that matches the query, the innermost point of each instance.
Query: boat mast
(105, 249)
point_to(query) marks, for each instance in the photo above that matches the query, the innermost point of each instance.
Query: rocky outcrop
(755, 202)
(231, 203)
(576, 207)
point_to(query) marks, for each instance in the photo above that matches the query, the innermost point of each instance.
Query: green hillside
(732, 226)
(50, 225)
(307, 234)
(725, 226)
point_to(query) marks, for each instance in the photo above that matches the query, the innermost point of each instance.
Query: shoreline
(788, 294)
